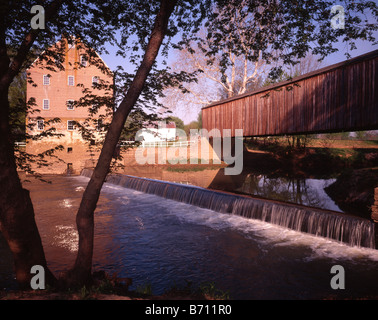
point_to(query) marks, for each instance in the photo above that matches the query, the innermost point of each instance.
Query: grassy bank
(316, 155)
(110, 288)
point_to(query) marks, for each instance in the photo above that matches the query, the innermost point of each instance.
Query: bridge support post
(374, 215)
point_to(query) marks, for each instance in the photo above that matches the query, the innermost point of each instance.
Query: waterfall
(348, 229)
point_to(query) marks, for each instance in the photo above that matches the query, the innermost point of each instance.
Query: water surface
(299, 190)
(163, 243)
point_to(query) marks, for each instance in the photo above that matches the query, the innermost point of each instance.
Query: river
(163, 243)
(299, 190)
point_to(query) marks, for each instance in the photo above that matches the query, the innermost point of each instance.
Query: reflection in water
(66, 237)
(308, 192)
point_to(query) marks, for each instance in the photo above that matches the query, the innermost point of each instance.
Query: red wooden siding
(341, 97)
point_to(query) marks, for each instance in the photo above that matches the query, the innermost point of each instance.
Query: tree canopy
(280, 32)
(243, 44)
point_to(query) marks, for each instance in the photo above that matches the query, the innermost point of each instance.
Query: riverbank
(354, 168)
(43, 295)
(54, 296)
(354, 190)
(112, 287)
(107, 291)
(311, 160)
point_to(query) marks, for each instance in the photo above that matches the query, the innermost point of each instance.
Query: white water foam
(263, 232)
(274, 235)
(66, 203)
(66, 237)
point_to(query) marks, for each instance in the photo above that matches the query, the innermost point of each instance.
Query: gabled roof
(84, 44)
(160, 125)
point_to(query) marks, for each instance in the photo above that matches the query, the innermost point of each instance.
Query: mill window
(46, 80)
(71, 80)
(70, 104)
(46, 104)
(70, 125)
(40, 125)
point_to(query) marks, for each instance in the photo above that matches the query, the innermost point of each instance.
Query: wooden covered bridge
(341, 97)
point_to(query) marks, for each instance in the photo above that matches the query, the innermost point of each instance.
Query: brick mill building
(59, 94)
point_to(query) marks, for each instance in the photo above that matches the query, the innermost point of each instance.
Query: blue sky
(362, 47)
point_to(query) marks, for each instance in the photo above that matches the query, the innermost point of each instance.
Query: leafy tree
(361, 135)
(199, 119)
(283, 32)
(17, 105)
(17, 222)
(179, 123)
(215, 78)
(141, 31)
(243, 42)
(191, 125)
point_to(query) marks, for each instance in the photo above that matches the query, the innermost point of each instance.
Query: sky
(191, 115)
(362, 48)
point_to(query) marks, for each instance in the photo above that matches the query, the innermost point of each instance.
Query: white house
(160, 131)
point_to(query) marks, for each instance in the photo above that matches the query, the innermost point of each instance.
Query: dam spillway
(345, 228)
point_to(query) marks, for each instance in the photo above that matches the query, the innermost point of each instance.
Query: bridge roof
(335, 66)
(340, 97)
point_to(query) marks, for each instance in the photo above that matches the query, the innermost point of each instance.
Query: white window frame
(73, 80)
(95, 80)
(70, 127)
(44, 106)
(83, 60)
(46, 80)
(40, 125)
(69, 103)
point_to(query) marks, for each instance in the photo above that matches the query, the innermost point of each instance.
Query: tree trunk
(17, 223)
(81, 272)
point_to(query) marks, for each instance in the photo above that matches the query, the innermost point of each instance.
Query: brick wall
(58, 91)
(72, 159)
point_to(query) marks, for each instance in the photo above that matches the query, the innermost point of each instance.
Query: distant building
(159, 131)
(56, 95)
